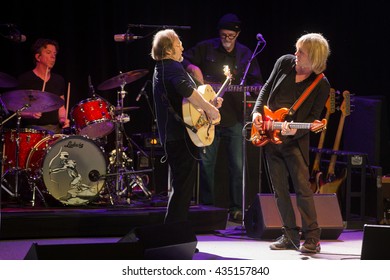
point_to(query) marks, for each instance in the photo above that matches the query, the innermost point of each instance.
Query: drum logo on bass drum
(72, 144)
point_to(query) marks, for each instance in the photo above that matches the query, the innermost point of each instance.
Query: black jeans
(182, 160)
(286, 160)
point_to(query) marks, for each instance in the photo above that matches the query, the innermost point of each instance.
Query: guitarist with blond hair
(289, 156)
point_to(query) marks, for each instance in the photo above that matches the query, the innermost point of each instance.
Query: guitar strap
(176, 115)
(180, 119)
(304, 95)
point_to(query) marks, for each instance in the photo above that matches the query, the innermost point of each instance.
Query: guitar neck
(345, 109)
(278, 125)
(236, 88)
(317, 159)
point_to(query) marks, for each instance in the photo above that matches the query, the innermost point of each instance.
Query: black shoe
(310, 246)
(284, 243)
(235, 216)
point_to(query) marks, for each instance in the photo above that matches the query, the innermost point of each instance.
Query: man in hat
(205, 62)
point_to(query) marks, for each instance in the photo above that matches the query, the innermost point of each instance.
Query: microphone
(260, 37)
(127, 37)
(142, 91)
(16, 37)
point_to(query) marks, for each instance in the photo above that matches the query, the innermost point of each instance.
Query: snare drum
(70, 166)
(27, 139)
(93, 118)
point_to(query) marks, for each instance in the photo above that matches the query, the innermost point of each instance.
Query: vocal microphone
(142, 91)
(16, 37)
(127, 37)
(260, 37)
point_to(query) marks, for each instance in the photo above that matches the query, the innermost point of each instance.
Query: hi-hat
(37, 101)
(122, 79)
(7, 81)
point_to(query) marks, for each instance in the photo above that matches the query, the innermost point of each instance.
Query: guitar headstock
(226, 72)
(345, 106)
(318, 126)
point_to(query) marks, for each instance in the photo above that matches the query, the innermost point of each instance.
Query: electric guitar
(199, 128)
(332, 184)
(272, 124)
(330, 106)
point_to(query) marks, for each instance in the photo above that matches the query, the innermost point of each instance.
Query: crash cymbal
(7, 81)
(125, 109)
(122, 79)
(39, 101)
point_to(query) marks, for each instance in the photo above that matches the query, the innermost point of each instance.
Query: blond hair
(162, 41)
(318, 50)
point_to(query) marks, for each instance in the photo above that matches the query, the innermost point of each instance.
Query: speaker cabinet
(376, 242)
(175, 241)
(93, 251)
(262, 218)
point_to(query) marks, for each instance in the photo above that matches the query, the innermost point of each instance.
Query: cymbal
(7, 81)
(123, 79)
(39, 101)
(125, 109)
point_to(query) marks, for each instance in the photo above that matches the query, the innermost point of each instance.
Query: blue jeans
(232, 136)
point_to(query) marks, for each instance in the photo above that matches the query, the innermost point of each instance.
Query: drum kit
(69, 169)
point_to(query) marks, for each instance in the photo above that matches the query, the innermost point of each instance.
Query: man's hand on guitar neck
(217, 102)
(257, 121)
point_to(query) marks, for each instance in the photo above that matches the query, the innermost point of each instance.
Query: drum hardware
(30, 101)
(121, 165)
(32, 182)
(16, 154)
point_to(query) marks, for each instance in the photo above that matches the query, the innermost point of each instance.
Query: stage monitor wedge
(262, 218)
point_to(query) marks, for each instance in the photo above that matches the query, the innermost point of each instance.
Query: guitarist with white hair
(288, 157)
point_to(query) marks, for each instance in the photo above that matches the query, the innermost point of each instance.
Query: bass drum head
(72, 168)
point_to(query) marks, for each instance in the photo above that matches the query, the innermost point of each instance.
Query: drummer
(42, 78)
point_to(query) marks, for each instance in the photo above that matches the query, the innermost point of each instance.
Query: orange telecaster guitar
(272, 124)
(316, 172)
(332, 183)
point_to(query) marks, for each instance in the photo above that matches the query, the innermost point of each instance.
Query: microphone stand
(152, 146)
(254, 54)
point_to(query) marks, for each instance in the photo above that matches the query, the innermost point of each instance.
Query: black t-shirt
(210, 57)
(170, 84)
(55, 85)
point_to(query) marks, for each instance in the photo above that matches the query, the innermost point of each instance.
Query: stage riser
(99, 222)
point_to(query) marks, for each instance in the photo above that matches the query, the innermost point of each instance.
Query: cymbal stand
(17, 140)
(119, 164)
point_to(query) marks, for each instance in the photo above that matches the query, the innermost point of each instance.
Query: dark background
(357, 32)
